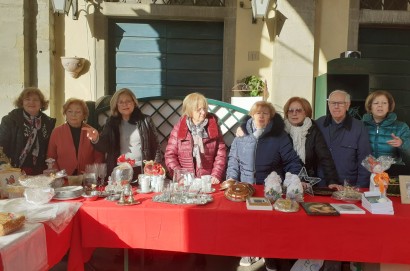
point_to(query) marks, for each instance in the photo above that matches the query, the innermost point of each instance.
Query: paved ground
(111, 259)
(140, 260)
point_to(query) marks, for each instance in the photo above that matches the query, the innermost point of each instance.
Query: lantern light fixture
(259, 9)
(63, 7)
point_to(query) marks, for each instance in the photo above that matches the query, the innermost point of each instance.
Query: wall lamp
(259, 9)
(63, 7)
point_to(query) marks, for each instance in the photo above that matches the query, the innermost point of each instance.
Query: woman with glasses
(309, 142)
(388, 136)
(196, 142)
(69, 145)
(25, 132)
(127, 131)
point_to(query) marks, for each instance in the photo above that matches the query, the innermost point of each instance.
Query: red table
(228, 228)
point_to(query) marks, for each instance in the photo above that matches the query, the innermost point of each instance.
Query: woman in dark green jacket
(388, 136)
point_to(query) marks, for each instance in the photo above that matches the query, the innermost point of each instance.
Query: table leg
(125, 259)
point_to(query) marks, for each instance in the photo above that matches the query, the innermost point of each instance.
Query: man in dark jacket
(347, 139)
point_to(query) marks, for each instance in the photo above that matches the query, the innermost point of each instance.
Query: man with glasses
(347, 139)
(348, 142)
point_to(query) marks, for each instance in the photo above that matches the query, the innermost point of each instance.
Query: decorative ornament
(153, 168)
(309, 181)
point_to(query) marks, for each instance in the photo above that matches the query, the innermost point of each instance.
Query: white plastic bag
(307, 265)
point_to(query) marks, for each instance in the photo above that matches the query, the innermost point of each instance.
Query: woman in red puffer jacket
(196, 142)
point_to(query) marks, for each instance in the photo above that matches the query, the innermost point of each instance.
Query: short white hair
(347, 95)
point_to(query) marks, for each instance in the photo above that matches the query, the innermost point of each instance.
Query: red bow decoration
(122, 159)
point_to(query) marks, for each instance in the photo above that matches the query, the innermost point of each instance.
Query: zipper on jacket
(376, 141)
(254, 161)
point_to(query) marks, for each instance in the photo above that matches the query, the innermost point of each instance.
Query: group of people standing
(331, 147)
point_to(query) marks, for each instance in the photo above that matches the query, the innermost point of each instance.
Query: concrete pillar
(293, 52)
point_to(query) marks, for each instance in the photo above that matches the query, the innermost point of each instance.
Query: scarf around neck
(198, 132)
(257, 132)
(31, 125)
(298, 135)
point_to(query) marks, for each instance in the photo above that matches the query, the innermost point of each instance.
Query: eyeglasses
(334, 104)
(124, 102)
(295, 110)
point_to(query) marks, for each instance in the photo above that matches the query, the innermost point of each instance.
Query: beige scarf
(298, 135)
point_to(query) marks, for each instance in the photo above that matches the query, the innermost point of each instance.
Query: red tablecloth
(228, 228)
(58, 244)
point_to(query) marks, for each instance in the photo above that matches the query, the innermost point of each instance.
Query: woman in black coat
(127, 131)
(309, 142)
(26, 130)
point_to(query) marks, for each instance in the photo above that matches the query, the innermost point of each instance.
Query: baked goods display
(286, 205)
(10, 222)
(239, 191)
(226, 184)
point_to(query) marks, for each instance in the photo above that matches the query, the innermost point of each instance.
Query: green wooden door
(166, 58)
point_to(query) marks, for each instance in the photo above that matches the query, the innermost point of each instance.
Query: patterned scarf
(198, 132)
(31, 126)
(298, 135)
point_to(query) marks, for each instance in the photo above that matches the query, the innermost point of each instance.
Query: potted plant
(249, 90)
(255, 85)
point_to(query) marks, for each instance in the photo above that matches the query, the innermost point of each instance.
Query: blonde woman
(263, 148)
(196, 142)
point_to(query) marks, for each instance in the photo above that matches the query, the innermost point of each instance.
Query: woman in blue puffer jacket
(388, 136)
(264, 148)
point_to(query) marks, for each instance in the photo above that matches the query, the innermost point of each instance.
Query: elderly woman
(309, 142)
(127, 131)
(25, 132)
(265, 147)
(196, 142)
(69, 145)
(388, 136)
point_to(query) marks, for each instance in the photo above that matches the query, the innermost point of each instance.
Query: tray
(129, 204)
(351, 197)
(140, 192)
(323, 191)
(160, 198)
(67, 198)
(68, 192)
